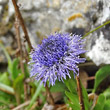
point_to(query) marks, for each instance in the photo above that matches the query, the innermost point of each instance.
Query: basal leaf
(15, 69)
(18, 84)
(37, 93)
(101, 75)
(6, 88)
(72, 97)
(107, 105)
(100, 103)
(72, 94)
(4, 79)
(85, 98)
(58, 87)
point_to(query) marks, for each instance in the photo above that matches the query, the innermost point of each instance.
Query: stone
(98, 43)
(43, 17)
(100, 52)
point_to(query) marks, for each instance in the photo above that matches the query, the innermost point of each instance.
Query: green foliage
(107, 93)
(13, 82)
(85, 98)
(74, 100)
(103, 103)
(15, 70)
(100, 105)
(6, 99)
(58, 87)
(107, 105)
(18, 84)
(6, 88)
(73, 96)
(4, 78)
(36, 94)
(101, 74)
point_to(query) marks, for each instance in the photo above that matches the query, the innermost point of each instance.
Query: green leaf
(18, 84)
(72, 97)
(72, 94)
(71, 83)
(58, 85)
(107, 93)
(101, 75)
(85, 98)
(37, 93)
(100, 102)
(4, 78)
(6, 88)
(107, 105)
(5, 98)
(26, 70)
(15, 69)
(74, 106)
(98, 107)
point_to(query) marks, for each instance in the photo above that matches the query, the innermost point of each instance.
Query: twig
(80, 93)
(18, 14)
(90, 78)
(21, 53)
(49, 96)
(25, 53)
(20, 20)
(34, 106)
(19, 42)
(25, 90)
(64, 107)
(22, 105)
(20, 50)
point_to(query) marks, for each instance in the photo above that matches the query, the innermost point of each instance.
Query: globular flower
(55, 57)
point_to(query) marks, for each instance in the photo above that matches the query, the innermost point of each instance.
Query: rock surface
(43, 17)
(98, 43)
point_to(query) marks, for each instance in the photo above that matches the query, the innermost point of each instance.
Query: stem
(19, 43)
(96, 28)
(22, 105)
(21, 53)
(26, 56)
(18, 14)
(80, 93)
(49, 95)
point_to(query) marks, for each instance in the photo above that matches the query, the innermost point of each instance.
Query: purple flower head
(56, 56)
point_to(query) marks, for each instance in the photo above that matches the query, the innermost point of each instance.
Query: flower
(55, 57)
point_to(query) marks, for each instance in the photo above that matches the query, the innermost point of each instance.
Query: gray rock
(43, 17)
(98, 43)
(100, 52)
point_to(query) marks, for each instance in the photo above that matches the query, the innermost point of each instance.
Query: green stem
(35, 96)
(96, 28)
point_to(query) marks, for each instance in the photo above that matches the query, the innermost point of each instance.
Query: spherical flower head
(55, 57)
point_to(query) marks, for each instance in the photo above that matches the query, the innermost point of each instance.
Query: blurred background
(43, 17)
